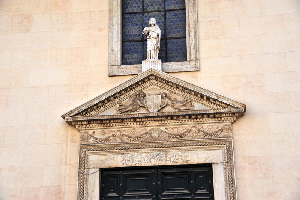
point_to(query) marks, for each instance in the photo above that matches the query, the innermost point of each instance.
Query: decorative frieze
(150, 134)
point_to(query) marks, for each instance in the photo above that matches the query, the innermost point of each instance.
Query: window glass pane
(175, 4)
(154, 5)
(132, 6)
(162, 51)
(160, 20)
(176, 50)
(132, 53)
(132, 27)
(176, 21)
(172, 23)
(145, 50)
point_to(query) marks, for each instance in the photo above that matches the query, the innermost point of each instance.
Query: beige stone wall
(54, 57)
(250, 51)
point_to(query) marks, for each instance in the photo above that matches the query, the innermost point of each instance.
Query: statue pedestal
(151, 63)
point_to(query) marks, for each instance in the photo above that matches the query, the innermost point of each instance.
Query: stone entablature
(156, 119)
(144, 133)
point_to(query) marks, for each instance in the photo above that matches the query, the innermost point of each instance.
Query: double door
(163, 182)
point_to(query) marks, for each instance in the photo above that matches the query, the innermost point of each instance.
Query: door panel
(110, 185)
(162, 182)
(203, 183)
(138, 183)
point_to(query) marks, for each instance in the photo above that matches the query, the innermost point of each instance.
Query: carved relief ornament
(156, 119)
(158, 95)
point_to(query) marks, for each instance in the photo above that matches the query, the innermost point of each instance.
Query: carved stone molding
(184, 99)
(157, 101)
(93, 157)
(156, 145)
(156, 119)
(150, 134)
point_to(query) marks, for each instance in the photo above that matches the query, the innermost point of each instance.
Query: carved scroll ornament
(157, 134)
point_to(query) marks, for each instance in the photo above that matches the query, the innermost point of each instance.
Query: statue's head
(164, 94)
(152, 22)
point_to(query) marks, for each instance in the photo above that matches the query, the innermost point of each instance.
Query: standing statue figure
(153, 34)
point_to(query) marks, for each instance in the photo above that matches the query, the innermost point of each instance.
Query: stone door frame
(197, 130)
(216, 151)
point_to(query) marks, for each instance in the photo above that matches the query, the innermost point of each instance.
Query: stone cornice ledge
(229, 115)
(150, 74)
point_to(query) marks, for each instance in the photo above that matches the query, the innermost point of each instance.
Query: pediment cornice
(155, 94)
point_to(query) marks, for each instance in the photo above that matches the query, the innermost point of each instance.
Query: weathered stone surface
(148, 64)
(117, 131)
(42, 76)
(153, 157)
(162, 93)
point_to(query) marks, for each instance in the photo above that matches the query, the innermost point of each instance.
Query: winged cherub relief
(178, 105)
(136, 103)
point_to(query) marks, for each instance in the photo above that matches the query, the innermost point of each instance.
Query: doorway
(160, 182)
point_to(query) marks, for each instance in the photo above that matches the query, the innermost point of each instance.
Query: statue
(153, 34)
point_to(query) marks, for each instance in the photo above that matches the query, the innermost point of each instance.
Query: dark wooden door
(163, 182)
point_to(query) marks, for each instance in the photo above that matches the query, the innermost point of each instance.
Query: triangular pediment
(154, 93)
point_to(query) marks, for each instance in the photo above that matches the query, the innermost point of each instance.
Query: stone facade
(55, 56)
